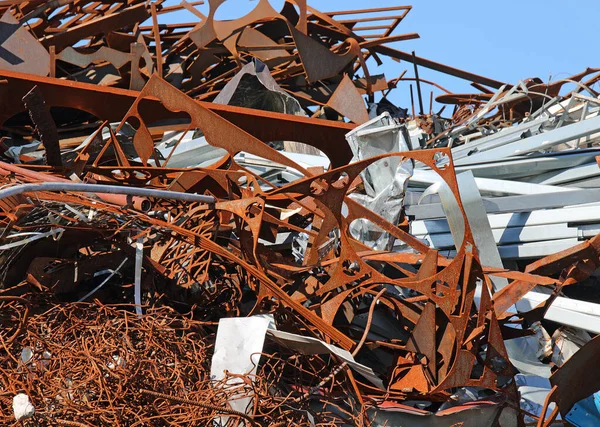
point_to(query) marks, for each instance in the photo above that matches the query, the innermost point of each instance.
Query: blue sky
(506, 40)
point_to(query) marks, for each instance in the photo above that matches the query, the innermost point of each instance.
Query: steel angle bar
(566, 176)
(514, 204)
(528, 250)
(480, 226)
(518, 235)
(586, 183)
(478, 221)
(520, 219)
(493, 186)
(584, 307)
(543, 141)
(536, 249)
(520, 167)
(498, 139)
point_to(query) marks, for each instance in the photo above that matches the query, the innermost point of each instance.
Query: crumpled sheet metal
(384, 182)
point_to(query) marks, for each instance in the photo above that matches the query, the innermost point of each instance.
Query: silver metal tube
(104, 189)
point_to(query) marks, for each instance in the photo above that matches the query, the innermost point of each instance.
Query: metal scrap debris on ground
(231, 223)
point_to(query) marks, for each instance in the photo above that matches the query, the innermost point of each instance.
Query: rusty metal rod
(412, 101)
(418, 84)
(156, 31)
(200, 404)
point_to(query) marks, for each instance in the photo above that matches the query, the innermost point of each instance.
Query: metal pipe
(116, 199)
(44, 177)
(107, 189)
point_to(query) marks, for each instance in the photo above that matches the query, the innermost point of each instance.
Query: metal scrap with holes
(402, 268)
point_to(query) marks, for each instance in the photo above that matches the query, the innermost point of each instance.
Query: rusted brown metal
(103, 25)
(426, 324)
(44, 125)
(112, 104)
(13, 38)
(347, 101)
(304, 48)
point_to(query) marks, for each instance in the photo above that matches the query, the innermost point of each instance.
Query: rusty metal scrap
(146, 214)
(110, 367)
(307, 51)
(45, 127)
(190, 249)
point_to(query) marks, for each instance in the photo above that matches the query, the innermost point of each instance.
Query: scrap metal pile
(230, 223)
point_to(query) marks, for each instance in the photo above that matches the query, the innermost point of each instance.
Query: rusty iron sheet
(44, 125)
(347, 101)
(19, 50)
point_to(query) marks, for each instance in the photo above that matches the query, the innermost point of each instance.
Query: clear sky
(506, 40)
